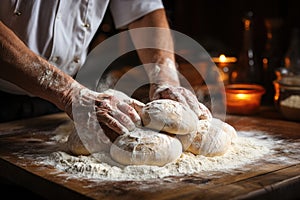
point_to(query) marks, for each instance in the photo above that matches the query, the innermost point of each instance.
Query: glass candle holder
(243, 99)
(225, 64)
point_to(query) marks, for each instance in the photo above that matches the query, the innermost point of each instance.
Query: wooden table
(29, 137)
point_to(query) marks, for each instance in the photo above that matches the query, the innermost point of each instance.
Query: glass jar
(287, 97)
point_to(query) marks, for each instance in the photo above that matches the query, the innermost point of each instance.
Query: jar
(287, 97)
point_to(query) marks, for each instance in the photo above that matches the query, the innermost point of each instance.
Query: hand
(184, 96)
(112, 108)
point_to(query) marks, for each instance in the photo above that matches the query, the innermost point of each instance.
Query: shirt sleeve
(126, 11)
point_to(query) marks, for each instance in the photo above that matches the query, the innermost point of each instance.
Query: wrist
(163, 72)
(73, 92)
(157, 89)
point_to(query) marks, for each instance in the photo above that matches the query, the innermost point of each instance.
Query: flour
(247, 149)
(62, 132)
(292, 101)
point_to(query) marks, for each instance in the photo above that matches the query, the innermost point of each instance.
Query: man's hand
(127, 108)
(112, 108)
(184, 96)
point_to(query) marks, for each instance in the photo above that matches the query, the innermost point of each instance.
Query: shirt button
(58, 16)
(76, 59)
(55, 59)
(17, 12)
(86, 25)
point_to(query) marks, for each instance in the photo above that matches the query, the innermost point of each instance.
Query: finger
(192, 102)
(174, 94)
(111, 122)
(124, 119)
(110, 115)
(130, 112)
(137, 105)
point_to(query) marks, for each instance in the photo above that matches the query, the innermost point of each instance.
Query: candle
(223, 59)
(243, 99)
(225, 64)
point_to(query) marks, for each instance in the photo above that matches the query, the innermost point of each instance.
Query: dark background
(217, 24)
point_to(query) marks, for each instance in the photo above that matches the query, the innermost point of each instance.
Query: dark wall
(217, 25)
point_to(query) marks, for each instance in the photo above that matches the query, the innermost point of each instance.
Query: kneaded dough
(145, 147)
(213, 138)
(187, 139)
(87, 142)
(75, 145)
(169, 116)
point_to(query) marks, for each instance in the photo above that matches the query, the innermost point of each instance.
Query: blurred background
(217, 25)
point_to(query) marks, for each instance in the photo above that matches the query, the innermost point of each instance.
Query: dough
(187, 139)
(75, 146)
(145, 147)
(213, 138)
(87, 142)
(169, 116)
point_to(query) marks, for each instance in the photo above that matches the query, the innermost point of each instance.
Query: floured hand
(112, 108)
(166, 85)
(184, 96)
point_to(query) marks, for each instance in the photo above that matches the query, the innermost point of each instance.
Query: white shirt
(61, 31)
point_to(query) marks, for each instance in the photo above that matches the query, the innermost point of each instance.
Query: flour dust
(248, 149)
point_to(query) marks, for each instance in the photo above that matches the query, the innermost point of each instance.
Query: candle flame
(242, 96)
(222, 58)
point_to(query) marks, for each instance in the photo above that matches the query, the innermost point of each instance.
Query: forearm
(21, 66)
(163, 71)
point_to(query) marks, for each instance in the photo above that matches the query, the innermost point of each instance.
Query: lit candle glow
(223, 59)
(242, 96)
(243, 99)
(225, 64)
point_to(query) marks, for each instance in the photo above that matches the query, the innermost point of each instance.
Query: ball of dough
(169, 116)
(87, 142)
(145, 147)
(214, 137)
(187, 139)
(75, 145)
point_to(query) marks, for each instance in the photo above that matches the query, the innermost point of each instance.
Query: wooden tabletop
(21, 141)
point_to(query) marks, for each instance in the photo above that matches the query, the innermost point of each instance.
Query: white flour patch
(62, 132)
(246, 151)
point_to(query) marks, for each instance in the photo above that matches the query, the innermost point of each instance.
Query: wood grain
(261, 181)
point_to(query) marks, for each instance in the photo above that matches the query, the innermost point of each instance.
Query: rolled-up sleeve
(126, 11)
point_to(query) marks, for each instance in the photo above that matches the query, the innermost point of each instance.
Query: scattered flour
(62, 132)
(247, 149)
